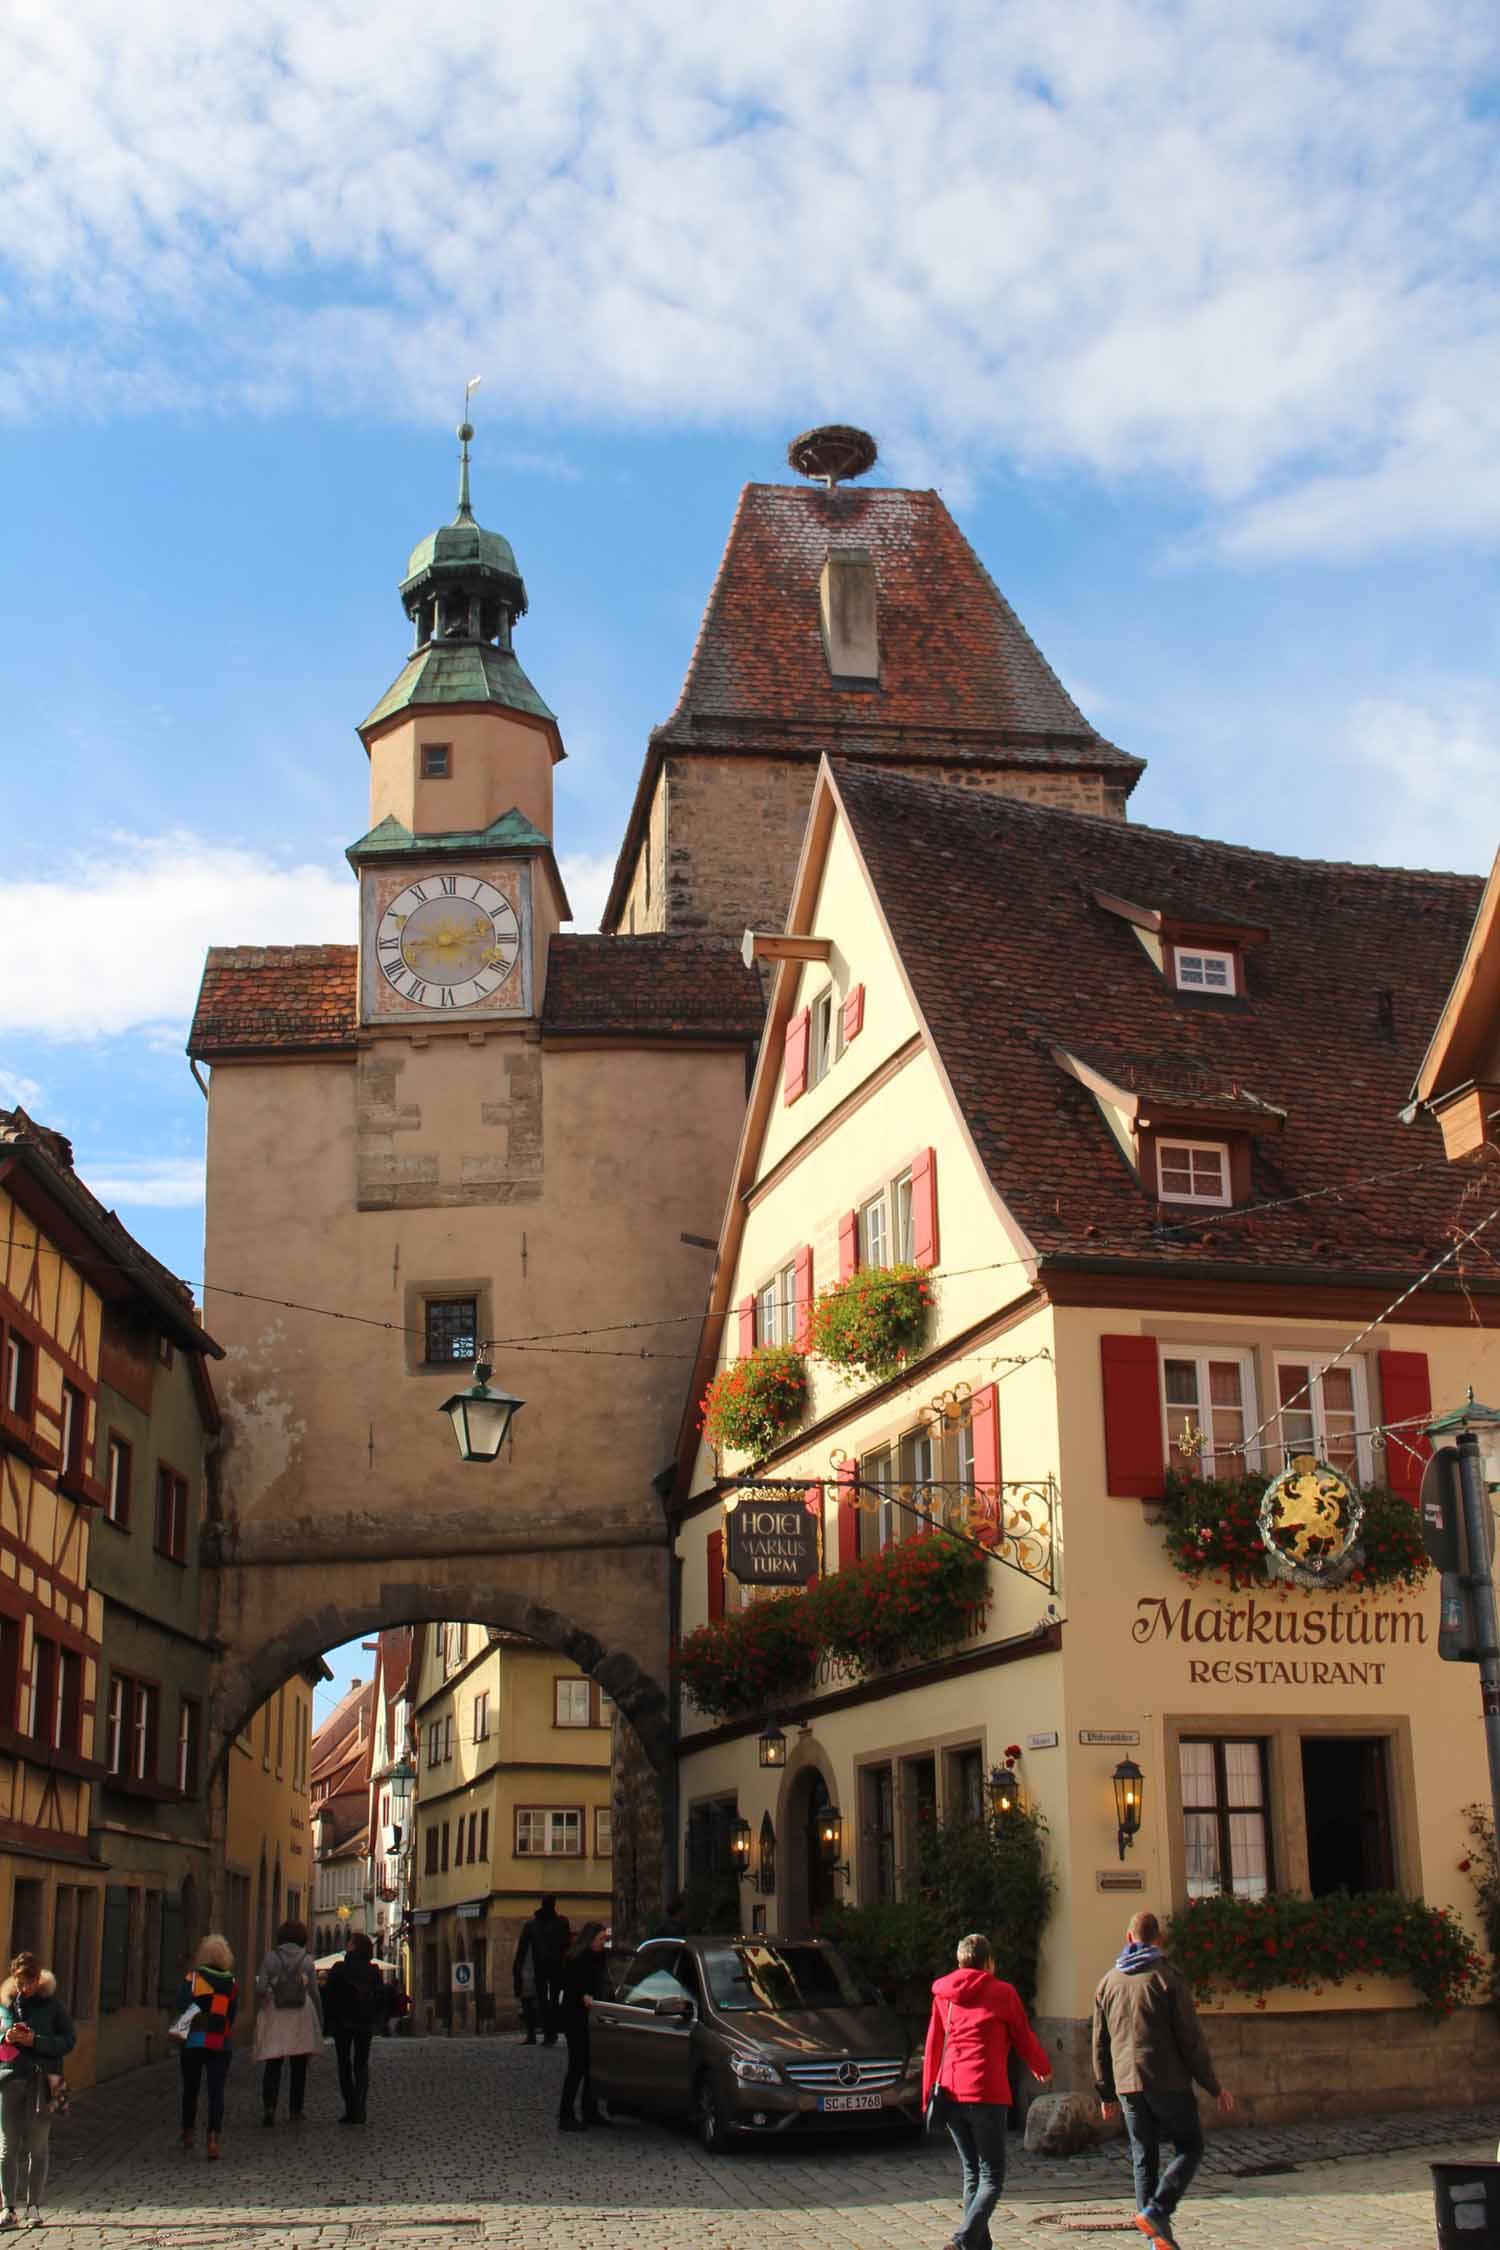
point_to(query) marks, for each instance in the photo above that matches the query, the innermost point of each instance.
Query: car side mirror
(681, 2011)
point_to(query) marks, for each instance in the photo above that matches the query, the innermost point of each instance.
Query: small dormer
(1199, 953)
(1189, 1136)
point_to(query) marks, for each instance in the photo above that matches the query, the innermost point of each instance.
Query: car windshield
(779, 1979)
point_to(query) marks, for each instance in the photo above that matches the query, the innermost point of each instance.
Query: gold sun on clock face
(448, 941)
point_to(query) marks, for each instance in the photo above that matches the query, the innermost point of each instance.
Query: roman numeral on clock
(450, 885)
(448, 999)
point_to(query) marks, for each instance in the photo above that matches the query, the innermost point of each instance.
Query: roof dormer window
(1199, 970)
(1192, 1171)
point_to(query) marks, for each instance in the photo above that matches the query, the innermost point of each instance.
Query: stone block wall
(1325, 2062)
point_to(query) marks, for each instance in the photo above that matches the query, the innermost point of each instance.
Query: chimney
(847, 613)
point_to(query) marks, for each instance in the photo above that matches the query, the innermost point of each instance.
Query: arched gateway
(471, 1134)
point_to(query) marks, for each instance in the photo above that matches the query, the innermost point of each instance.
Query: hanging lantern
(1130, 1788)
(481, 1417)
(773, 1746)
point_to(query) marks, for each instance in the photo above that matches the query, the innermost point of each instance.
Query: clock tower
(459, 890)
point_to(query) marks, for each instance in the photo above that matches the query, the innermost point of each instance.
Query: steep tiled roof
(953, 653)
(258, 998)
(991, 906)
(665, 986)
(303, 998)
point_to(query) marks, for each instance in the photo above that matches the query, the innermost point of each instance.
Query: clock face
(447, 941)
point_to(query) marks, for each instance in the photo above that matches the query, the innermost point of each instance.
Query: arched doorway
(807, 1882)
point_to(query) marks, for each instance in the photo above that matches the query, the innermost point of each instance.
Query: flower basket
(1254, 1945)
(870, 1325)
(1214, 1532)
(906, 1604)
(753, 1403)
(751, 1661)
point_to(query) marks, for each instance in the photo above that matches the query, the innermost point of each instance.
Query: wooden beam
(768, 945)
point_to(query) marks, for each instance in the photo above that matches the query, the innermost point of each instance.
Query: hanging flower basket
(906, 1604)
(754, 1403)
(869, 1326)
(751, 1661)
(1213, 1531)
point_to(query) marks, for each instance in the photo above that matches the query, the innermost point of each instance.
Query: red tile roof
(659, 986)
(991, 905)
(257, 999)
(303, 999)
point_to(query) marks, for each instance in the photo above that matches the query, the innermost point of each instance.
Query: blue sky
(1193, 320)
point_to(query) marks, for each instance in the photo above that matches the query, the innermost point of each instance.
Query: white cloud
(113, 939)
(1439, 762)
(586, 879)
(16, 1090)
(1248, 250)
(163, 1183)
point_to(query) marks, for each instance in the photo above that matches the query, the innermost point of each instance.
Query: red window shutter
(715, 1576)
(812, 1500)
(984, 1429)
(848, 1244)
(848, 1515)
(794, 1069)
(1134, 1454)
(802, 1297)
(924, 1223)
(854, 1013)
(746, 1312)
(1405, 1396)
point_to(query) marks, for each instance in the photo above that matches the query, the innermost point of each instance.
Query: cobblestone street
(462, 2149)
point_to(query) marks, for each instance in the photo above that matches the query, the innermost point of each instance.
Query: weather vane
(465, 432)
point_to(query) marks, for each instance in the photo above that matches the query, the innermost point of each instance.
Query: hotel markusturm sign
(771, 1543)
(1257, 1643)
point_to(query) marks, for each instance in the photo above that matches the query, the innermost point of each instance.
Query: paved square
(462, 2148)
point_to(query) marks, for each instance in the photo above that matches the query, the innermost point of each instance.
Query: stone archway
(807, 1786)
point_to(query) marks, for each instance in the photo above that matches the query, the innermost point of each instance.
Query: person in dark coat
(585, 1978)
(541, 1947)
(36, 2032)
(356, 2001)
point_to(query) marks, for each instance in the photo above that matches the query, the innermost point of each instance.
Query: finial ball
(465, 432)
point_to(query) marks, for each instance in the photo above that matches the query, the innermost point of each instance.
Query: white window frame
(114, 1725)
(20, 1360)
(1220, 1149)
(186, 1743)
(776, 1307)
(447, 1737)
(1201, 1355)
(75, 1422)
(1312, 1405)
(887, 1235)
(878, 1468)
(604, 1831)
(142, 1699)
(542, 1832)
(876, 1212)
(482, 1716)
(903, 1230)
(825, 1034)
(117, 1464)
(1208, 957)
(565, 1702)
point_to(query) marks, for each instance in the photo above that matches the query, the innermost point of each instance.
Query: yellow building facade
(513, 1800)
(269, 1869)
(943, 1085)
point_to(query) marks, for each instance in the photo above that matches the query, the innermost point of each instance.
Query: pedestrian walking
(356, 2000)
(36, 2033)
(544, 1943)
(585, 1978)
(288, 2019)
(207, 2002)
(976, 2020)
(1148, 2049)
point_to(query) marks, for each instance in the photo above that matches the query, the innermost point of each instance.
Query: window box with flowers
(1213, 1531)
(1255, 1945)
(871, 1324)
(751, 1661)
(756, 1401)
(906, 1604)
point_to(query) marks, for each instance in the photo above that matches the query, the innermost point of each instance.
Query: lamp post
(1475, 1431)
(481, 1417)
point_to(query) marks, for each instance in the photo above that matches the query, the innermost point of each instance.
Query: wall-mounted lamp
(1005, 1791)
(1130, 1790)
(773, 1746)
(739, 1845)
(831, 1841)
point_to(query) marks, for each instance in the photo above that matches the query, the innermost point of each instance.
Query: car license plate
(848, 2101)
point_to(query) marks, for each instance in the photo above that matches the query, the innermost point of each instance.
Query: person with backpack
(206, 2002)
(356, 2001)
(36, 2032)
(289, 2019)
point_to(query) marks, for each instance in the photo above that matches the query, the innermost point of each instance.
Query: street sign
(463, 1976)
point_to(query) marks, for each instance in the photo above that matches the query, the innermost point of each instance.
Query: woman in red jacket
(976, 2020)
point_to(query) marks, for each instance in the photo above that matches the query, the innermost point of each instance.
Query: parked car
(750, 2038)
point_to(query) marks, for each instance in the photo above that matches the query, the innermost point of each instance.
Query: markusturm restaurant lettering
(1259, 1624)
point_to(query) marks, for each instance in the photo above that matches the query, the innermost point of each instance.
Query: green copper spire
(463, 593)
